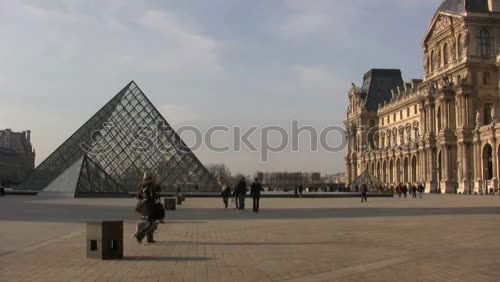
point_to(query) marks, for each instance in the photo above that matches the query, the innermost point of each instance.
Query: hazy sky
(202, 63)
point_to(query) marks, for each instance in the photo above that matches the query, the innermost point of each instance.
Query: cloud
(177, 114)
(324, 19)
(105, 37)
(180, 48)
(319, 80)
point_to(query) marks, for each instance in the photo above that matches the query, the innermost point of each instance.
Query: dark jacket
(241, 189)
(226, 193)
(420, 188)
(364, 189)
(255, 189)
(147, 196)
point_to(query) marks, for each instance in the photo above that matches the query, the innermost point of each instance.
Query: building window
(383, 121)
(486, 78)
(372, 123)
(459, 46)
(432, 61)
(484, 43)
(445, 54)
(487, 113)
(388, 119)
(408, 112)
(439, 58)
(415, 109)
(400, 115)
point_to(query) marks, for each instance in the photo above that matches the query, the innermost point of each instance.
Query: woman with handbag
(147, 207)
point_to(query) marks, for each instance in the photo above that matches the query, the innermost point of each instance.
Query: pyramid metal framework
(372, 182)
(114, 148)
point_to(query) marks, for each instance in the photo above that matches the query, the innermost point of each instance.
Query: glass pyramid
(125, 138)
(372, 183)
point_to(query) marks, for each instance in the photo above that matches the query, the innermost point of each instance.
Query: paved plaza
(438, 238)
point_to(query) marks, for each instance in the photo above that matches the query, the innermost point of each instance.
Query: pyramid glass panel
(125, 138)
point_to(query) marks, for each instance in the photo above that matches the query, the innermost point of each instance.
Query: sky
(235, 63)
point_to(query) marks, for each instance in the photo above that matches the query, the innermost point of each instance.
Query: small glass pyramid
(372, 183)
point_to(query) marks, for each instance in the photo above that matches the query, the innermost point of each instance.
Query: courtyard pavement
(438, 238)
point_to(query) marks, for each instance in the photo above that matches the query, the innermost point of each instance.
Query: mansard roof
(377, 85)
(461, 6)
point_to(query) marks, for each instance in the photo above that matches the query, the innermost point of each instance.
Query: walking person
(226, 193)
(146, 206)
(405, 190)
(301, 189)
(236, 198)
(420, 190)
(413, 191)
(364, 191)
(255, 190)
(399, 190)
(242, 192)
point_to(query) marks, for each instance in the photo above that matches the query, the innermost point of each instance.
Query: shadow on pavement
(188, 243)
(137, 258)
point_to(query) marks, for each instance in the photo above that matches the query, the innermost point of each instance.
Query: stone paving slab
(440, 247)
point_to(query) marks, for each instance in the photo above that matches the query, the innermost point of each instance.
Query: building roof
(377, 85)
(461, 6)
(15, 141)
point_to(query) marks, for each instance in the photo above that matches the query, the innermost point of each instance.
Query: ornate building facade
(17, 158)
(441, 130)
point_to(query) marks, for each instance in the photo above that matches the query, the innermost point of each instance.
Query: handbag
(158, 211)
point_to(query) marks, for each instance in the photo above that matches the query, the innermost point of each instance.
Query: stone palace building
(441, 130)
(17, 157)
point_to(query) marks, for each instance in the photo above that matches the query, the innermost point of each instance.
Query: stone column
(494, 180)
(478, 175)
(465, 185)
(460, 159)
(429, 183)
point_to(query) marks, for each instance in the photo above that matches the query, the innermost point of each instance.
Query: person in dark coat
(301, 190)
(420, 190)
(226, 193)
(255, 190)
(364, 191)
(147, 196)
(236, 198)
(242, 191)
(405, 190)
(413, 191)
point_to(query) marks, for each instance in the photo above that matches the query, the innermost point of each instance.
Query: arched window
(432, 61)
(484, 42)
(440, 53)
(445, 54)
(459, 46)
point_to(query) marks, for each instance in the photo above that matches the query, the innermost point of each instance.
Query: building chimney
(28, 135)
(494, 5)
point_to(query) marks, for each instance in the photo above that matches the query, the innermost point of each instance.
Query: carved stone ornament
(442, 23)
(478, 119)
